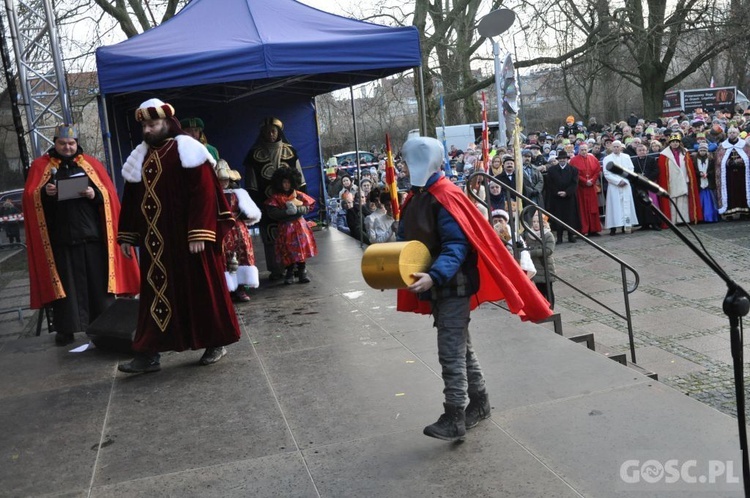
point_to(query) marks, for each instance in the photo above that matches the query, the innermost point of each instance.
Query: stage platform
(327, 393)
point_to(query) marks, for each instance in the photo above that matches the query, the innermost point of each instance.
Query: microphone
(639, 181)
(53, 177)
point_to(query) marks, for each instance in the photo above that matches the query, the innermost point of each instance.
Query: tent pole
(107, 137)
(356, 148)
(322, 163)
(423, 117)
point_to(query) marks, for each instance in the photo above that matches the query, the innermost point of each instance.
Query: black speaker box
(114, 329)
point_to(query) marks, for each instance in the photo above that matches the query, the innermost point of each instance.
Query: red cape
(694, 200)
(500, 276)
(123, 274)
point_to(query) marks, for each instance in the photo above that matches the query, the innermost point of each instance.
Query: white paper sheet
(71, 188)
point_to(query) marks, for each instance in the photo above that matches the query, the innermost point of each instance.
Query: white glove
(290, 208)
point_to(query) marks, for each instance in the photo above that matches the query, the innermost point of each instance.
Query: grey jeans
(462, 374)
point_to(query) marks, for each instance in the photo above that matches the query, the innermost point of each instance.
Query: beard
(156, 137)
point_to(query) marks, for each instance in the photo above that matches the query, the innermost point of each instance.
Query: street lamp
(493, 24)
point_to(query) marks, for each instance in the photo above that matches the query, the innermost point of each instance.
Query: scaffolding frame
(43, 89)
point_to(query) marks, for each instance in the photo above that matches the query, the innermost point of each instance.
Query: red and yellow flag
(390, 178)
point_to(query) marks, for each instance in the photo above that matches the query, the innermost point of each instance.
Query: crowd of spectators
(702, 159)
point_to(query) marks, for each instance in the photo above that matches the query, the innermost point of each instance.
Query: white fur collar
(246, 205)
(192, 154)
(739, 145)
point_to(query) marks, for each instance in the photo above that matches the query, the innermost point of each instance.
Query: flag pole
(390, 178)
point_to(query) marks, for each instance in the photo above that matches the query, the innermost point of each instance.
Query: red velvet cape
(45, 286)
(500, 276)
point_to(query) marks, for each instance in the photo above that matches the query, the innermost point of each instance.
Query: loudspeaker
(115, 328)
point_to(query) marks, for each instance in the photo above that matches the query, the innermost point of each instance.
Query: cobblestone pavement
(680, 330)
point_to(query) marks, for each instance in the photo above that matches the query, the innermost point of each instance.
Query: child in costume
(238, 248)
(294, 241)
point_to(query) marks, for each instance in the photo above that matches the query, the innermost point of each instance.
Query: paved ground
(328, 390)
(680, 330)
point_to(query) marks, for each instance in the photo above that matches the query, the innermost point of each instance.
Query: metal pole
(13, 94)
(423, 117)
(359, 175)
(23, 80)
(501, 129)
(107, 138)
(321, 160)
(62, 87)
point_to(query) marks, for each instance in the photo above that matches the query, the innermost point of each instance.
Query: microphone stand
(736, 305)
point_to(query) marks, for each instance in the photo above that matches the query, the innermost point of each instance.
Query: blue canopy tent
(234, 62)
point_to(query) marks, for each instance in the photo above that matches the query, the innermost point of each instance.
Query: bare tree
(136, 16)
(652, 36)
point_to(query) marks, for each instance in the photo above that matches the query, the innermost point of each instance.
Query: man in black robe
(646, 165)
(562, 185)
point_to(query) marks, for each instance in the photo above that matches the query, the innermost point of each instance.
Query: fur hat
(153, 109)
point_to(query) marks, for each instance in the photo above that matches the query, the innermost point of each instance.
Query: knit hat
(153, 109)
(500, 213)
(703, 146)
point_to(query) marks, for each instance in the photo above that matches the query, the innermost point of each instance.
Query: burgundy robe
(588, 198)
(184, 303)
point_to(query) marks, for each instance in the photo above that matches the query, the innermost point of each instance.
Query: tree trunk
(652, 93)
(607, 79)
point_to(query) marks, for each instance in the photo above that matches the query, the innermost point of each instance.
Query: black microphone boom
(637, 180)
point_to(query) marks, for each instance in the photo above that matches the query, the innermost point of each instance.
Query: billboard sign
(709, 99)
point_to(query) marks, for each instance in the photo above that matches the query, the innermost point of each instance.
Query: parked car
(14, 195)
(348, 160)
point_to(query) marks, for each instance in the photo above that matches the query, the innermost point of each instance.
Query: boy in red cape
(74, 262)
(467, 269)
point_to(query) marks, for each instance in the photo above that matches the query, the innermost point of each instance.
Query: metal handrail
(17, 309)
(530, 205)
